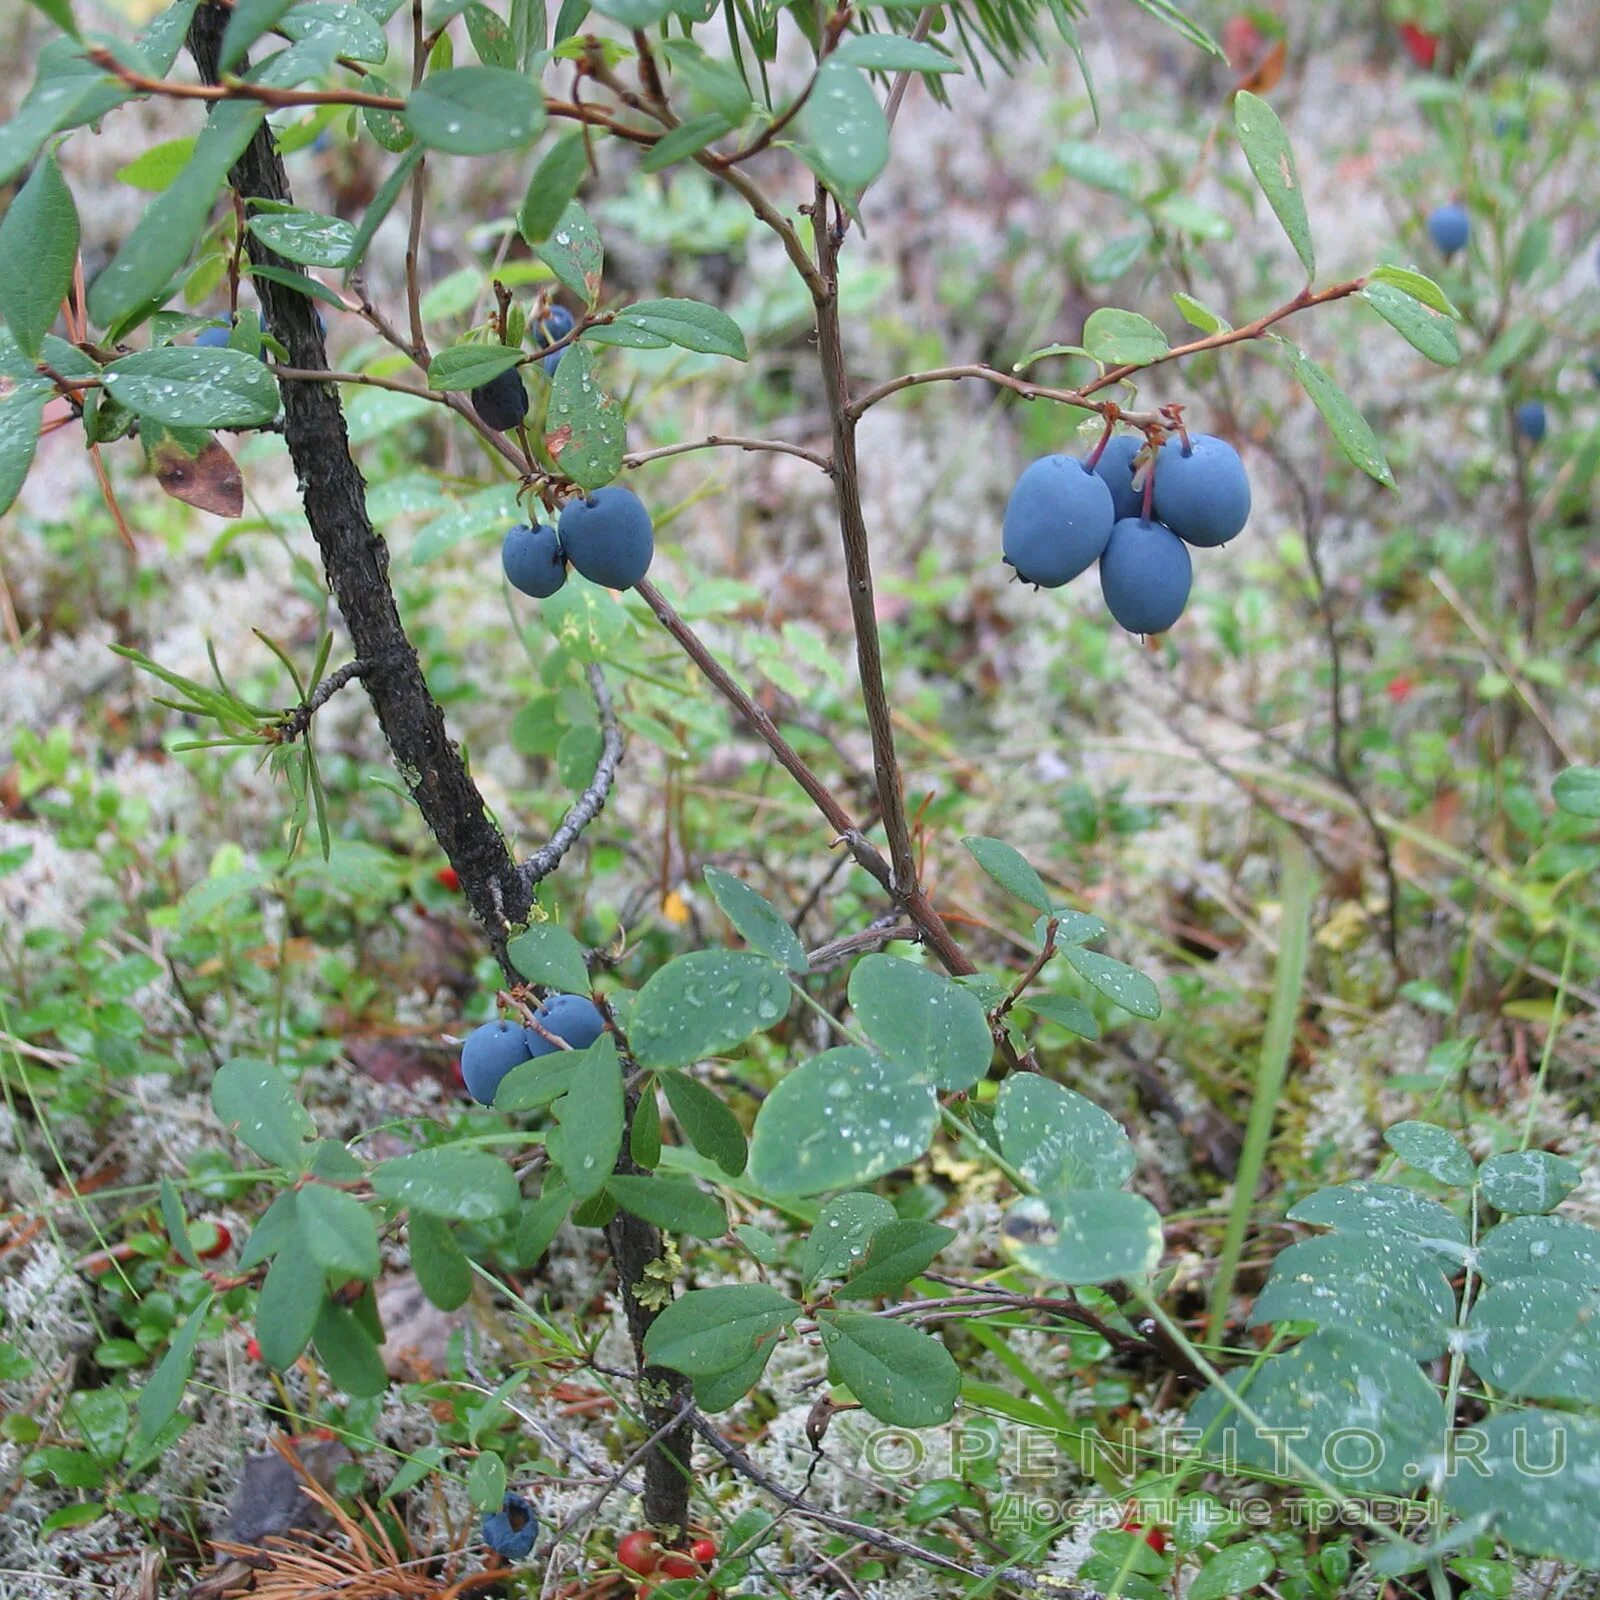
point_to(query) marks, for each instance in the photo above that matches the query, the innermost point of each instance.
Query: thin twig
(592, 801)
(722, 441)
(295, 722)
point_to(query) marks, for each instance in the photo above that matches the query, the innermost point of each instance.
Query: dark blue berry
(1531, 420)
(488, 1054)
(1202, 491)
(512, 1530)
(213, 338)
(1145, 575)
(1115, 466)
(556, 324)
(502, 402)
(1448, 227)
(533, 560)
(572, 1017)
(1057, 521)
(608, 537)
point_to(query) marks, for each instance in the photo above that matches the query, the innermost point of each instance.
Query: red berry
(222, 1241)
(1399, 689)
(678, 1566)
(639, 1552)
(449, 878)
(704, 1551)
(1421, 45)
(252, 1349)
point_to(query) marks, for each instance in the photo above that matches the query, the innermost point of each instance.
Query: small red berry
(704, 1551)
(1421, 45)
(639, 1552)
(449, 878)
(252, 1349)
(1399, 689)
(1155, 1537)
(678, 1566)
(223, 1240)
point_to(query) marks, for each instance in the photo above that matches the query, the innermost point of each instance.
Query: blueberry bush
(856, 1143)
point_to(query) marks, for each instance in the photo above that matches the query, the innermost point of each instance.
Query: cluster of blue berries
(502, 402)
(512, 1530)
(491, 1051)
(1064, 515)
(606, 535)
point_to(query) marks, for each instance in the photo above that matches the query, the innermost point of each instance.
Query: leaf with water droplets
(899, 1252)
(756, 919)
(1078, 1236)
(841, 1234)
(1059, 1140)
(584, 426)
(1266, 148)
(448, 1181)
(1431, 332)
(846, 132)
(21, 419)
(39, 239)
(1541, 1247)
(305, 237)
(844, 1118)
(689, 324)
(710, 1331)
(1116, 980)
(575, 254)
(1010, 870)
(1351, 431)
(921, 1019)
(473, 111)
(184, 386)
(545, 953)
(1433, 1150)
(1528, 1182)
(1384, 1208)
(705, 1004)
(253, 1100)
(901, 1375)
(1538, 1338)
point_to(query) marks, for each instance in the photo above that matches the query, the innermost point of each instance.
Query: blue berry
(512, 1530)
(533, 560)
(1115, 466)
(502, 402)
(1202, 492)
(552, 361)
(1057, 521)
(608, 537)
(572, 1017)
(1145, 575)
(1448, 228)
(556, 324)
(213, 338)
(488, 1054)
(1531, 420)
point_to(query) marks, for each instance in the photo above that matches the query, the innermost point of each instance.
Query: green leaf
(1388, 1210)
(60, 13)
(1010, 870)
(574, 253)
(1388, 1287)
(474, 111)
(1232, 1571)
(546, 954)
(922, 1020)
(706, 1122)
(1431, 332)
(844, 1118)
(1351, 431)
(587, 434)
(719, 83)
(1541, 1247)
(339, 1232)
(21, 418)
(159, 245)
(39, 228)
(446, 1181)
(1533, 1473)
(253, 1100)
(899, 1252)
(1336, 1383)
(633, 13)
(540, 1082)
(154, 169)
(172, 1219)
(1266, 148)
(1116, 980)
(290, 1300)
(441, 1267)
(689, 324)
(846, 132)
(184, 386)
(1538, 1339)
(1065, 1011)
(685, 140)
(1576, 790)
(674, 1204)
(248, 20)
(1528, 1182)
(705, 1004)
(1080, 1236)
(1123, 338)
(591, 1118)
(756, 919)
(388, 128)
(490, 36)
(1199, 316)
(486, 1482)
(1099, 167)
(1416, 284)
(276, 1227)
(163, 1394)
(306, 238)
(1059, 1140)
(348, 1352)
(708, 1331)
(893, 52)
(539, 1223)
(841, 1235)
(1430, 1149)
(723, 1389)
(900, 1375)
(466, 366)
(552, 187)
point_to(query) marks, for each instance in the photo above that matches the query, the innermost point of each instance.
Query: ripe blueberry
(1202, 493)
(1531, 420)
(1057, 521)
(1116, 467)
(502, 402)
(555, 325)
(488, 1054)
(1145, 575)
(608, 537)
(1448, 228)
(512, 1529)
(572, 1017)
(213, 338)
(533, 560)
